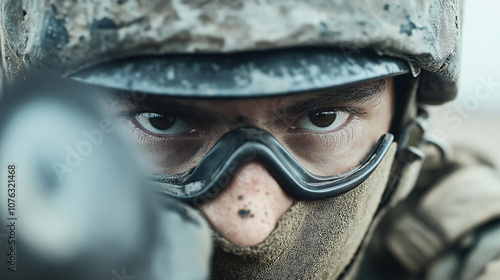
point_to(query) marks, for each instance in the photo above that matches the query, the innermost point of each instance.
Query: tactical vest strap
(456, 206)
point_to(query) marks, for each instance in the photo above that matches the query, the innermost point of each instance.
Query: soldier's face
(328, 132)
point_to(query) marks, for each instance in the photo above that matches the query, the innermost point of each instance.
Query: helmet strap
(409, 157)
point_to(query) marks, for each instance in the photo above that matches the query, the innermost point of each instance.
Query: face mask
(315, 239)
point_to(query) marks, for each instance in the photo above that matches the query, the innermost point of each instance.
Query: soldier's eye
(324, 120)
(159, 124)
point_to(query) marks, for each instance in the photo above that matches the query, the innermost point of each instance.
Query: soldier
(297, 128)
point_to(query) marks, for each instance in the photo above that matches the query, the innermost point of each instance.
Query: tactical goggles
(242, 145)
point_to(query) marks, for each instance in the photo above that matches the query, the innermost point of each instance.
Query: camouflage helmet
(232, 47)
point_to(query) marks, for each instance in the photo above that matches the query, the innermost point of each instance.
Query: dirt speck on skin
(244, 213)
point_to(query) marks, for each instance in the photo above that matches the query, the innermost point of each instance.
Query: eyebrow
(341, 96)
(358, 94)
(127, 106)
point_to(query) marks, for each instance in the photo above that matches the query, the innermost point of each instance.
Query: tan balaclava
(314, 240)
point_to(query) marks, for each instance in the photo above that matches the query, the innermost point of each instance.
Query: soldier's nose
(247, 211)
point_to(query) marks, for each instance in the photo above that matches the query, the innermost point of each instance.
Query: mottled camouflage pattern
(68, 36)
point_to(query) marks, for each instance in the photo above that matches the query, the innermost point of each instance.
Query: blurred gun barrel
(74, 201)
